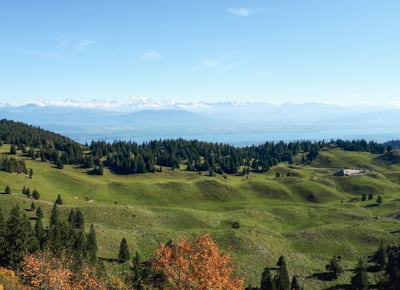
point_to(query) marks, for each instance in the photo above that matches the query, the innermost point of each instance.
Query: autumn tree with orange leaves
(46, 271)
(196, 265)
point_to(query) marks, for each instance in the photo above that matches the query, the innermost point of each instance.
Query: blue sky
(337, 51)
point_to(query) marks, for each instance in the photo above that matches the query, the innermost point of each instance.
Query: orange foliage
(49, 272)
(196, 265)
(9, 280)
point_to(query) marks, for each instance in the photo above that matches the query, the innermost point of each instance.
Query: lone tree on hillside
(334, 267)
(379, 200)
(7, 190)
(35, 194)
(123, 254)
(59, 200)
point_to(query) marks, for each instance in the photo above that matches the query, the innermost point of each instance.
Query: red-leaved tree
(196, 265)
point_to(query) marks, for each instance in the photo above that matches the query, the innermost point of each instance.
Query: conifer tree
(360, 280)
(59, 200)
(33, 206)
(27, 192)
(7, 190)
(123, 254)
(39, 232)
(79, 222)
(334, 267)
(379, 200)
(57, 234)
(380, 256)
(267, 282)
(282, 279)
(71, 218)
(3, 242)
(54, 216)
(78, 249)
(295, 284)
(39, 213)
(19, 238)
(35, 194)
(137, 272)
(91, 245)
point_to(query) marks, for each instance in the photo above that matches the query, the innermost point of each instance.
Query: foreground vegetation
(298, 208)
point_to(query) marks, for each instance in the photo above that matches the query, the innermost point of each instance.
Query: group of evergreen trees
(281, 280)
(18, 237)
(10, 164)
(130, 157)
(42, 144)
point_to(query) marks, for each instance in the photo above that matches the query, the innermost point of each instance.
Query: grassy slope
(274, 213)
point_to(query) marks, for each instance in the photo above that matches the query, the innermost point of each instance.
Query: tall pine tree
(123, 254)
(267, 282)
(282, 279)
(91, 245)
(3, 242)
(360, 280)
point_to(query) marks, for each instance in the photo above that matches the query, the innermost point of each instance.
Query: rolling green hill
(306, 214)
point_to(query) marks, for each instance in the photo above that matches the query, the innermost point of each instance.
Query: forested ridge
(192, 155)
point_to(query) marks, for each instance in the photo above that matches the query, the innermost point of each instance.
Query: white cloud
(67, 41)
(239, 11)
(151, 54)
(83, 44)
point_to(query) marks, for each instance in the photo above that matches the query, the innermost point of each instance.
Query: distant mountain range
(230, 122)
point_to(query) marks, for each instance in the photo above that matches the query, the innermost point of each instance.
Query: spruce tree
(7, 190)
(19, 238)
(123, 254)
(59, 200)
(33, 206)
(39, 213)
(267, 282)
(35, 194)
(3, 242)
(39, 232)
(295, 284)
(54, 216)
(71, 218)
(137, 272)
(91, 245)
(380, 256)
(282, 279)
(78, 250)
(334, 267)
(79, 222)
(27, 192)
(360, 280)
(379, 200)
(58, 233)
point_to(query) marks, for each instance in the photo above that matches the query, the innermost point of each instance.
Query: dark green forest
(192, 155)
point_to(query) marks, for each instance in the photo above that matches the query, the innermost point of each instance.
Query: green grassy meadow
(308, 216)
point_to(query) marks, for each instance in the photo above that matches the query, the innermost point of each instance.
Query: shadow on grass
(372, 205)
(340, 286)
(324, 276)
